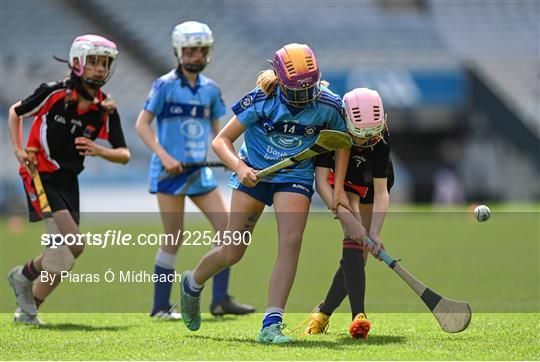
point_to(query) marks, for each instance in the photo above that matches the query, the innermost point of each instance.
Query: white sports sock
(165, 260)
(192, 284)
(272, 310)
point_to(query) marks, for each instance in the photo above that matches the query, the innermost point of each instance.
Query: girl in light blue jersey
(188, 106)
(278, 119)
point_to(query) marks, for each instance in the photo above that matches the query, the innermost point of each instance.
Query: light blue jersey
(184, 125)
(273, 133)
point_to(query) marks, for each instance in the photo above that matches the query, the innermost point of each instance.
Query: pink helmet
(92, 45)
(298, 74)
(364, 113)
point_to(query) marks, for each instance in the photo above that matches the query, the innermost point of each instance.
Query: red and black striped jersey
(364, 163)
(57, 124)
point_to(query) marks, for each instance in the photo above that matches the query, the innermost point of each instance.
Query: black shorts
(62, 190)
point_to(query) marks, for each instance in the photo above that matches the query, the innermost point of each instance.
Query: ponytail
(267, 81)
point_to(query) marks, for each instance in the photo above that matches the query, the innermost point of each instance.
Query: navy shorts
(264, 191)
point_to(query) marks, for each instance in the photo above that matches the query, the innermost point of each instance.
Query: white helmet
(191, 34)
(92, 45)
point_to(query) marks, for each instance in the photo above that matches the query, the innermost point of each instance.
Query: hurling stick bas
(453, 316)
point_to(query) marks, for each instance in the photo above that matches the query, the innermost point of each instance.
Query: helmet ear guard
(191, 34)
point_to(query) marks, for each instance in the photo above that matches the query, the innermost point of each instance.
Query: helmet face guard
(370, 142)
(364, 114)
(192, 34)
(89, 51)
(298, 74)
(300, 97)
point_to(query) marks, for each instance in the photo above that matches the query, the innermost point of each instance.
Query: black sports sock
(354, 274)
(30, 271)
(335, 295)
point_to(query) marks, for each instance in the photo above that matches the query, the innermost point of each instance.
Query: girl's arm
(224, 149)
(381, 201)
(352, 227)
(146, 133)
(15, 134)
(87, 147)
(148, 136)
(118, 153)
(341, 164)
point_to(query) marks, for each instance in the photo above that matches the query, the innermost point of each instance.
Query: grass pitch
(408, 336)
(493, 265)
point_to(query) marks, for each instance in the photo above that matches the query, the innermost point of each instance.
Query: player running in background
(68, 116)
(188, 106)
(282, 116)
(367, 183)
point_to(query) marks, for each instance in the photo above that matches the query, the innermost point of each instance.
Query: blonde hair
(267, 81)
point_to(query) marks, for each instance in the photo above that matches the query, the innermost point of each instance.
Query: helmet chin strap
(75, 83)
(194, 68)
(93, 83)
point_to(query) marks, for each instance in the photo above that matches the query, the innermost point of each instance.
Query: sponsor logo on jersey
(192, 129)
(284, 141)
(274, 154)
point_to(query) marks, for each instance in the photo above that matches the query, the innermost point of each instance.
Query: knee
(232, 256)
(221, 222)
(292, 243)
